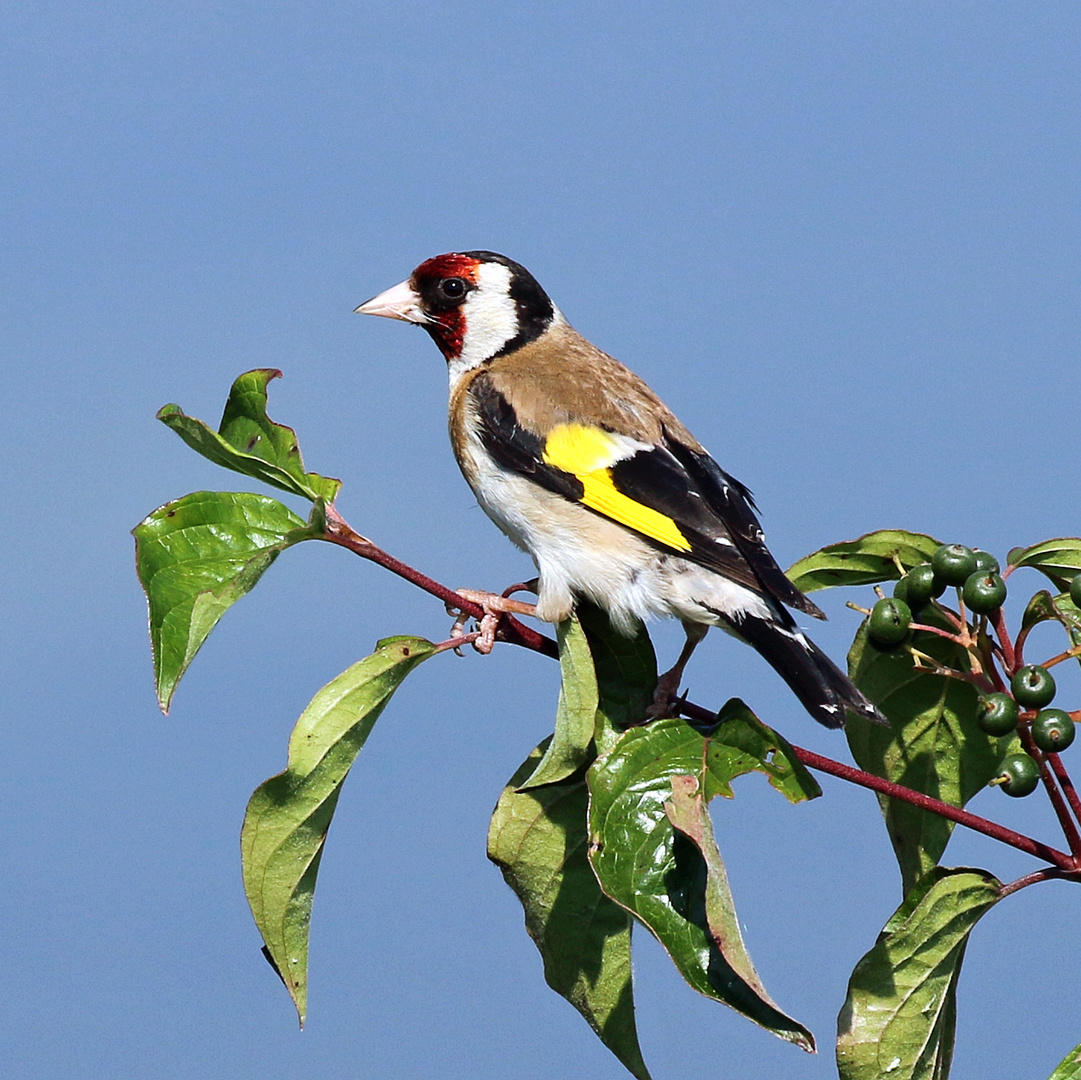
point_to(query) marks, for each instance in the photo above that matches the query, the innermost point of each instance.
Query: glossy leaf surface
(865, 561)
(195, 558)
(660, 874)
(1070, 616)
(249, 442)
(1069, 1068)
(538, 839)
(626, 674)
(288, 816)
(1059, 559)
(899, 1017)
(933, 744)
(571, 745)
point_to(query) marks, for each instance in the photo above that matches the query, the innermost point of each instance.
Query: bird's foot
(665, 702)
(664, 697)
(494, 607)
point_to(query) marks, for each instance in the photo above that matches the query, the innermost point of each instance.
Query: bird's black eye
(453, 288)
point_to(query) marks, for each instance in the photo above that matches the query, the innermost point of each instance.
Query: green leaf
(899, 1017)
(864, 561)
(688, 812)
(1045, 608)
(1039, 609)
(933, 744)
(1059, 559)
(659, 874)
(1069, 1068)
(576, 714)
(538, 840)
(1070, 616)
(195, 558)
(288, 816)
(249, 442)
(626, 673)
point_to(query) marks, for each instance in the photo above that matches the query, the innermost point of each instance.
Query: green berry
(1033, 686)
(987, 562)
(921, 586)
(984, 592)
(1018, 775)
(889, 621)
(1053, 730)
(998, 714)
(952, 563)
(1075, 590)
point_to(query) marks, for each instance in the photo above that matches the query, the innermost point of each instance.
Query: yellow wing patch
(578, 449)
(586, 452)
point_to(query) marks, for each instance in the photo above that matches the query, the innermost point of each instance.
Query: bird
(584, 467)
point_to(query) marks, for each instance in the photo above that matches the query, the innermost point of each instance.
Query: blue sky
(841, 240)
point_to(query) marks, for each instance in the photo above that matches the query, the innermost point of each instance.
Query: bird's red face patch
(435, 282)
(446, 266)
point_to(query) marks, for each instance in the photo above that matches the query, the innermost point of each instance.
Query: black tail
(825, 691)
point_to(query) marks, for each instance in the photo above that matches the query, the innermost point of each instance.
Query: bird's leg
(668, 683)
(495, 607)
(522, 586)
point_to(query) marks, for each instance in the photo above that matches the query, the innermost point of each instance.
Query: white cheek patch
(491, 319)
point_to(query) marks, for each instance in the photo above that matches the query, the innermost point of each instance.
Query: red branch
(925, 802)
(936, 806)
(1047, 777)
(1066, 784)
(1032, 879)
(515, 633)
(510, 629)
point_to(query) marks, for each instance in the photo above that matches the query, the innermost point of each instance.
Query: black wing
(711, 512)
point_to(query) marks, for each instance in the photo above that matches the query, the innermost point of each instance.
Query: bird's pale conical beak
(399, 302)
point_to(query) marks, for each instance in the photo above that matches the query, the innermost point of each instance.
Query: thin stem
(917, 798)
(952, 616)
(339, 532)
(926, 662)
(993, 650)
(1010, 652)
(1019, 645)
(936, 806)
(1062, 811)
(1066, 784)
(955, 638)
(510, 629)
(456, 643)
(1067, 655)
(1036, 876)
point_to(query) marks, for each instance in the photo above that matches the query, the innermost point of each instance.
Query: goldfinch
(580, 463)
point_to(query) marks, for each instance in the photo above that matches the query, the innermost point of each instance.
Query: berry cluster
(975, 573)
(1031, 688)
(981, 590)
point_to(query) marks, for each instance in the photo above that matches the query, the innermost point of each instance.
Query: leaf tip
(165, 697)
(263, 377)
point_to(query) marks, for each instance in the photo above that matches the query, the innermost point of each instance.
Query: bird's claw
(458, 629)
(664, 697)
(665, 704)
(494, 608)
